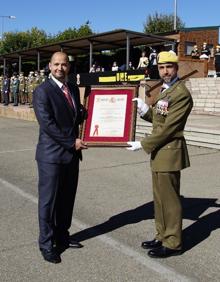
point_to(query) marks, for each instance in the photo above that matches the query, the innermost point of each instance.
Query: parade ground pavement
(113, 214)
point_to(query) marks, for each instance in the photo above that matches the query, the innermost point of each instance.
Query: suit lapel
(73, 97)
(59, 92)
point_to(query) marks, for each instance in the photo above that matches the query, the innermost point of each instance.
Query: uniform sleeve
(47, 122)
(174, 123)
(148, 115)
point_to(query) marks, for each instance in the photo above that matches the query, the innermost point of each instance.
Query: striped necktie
(67, 94)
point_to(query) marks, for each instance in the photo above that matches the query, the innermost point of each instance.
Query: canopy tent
(115, 39)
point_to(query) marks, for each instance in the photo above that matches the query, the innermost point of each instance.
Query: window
(189, 47)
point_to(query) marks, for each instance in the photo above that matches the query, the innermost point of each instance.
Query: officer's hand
(134, 146)
(142, 108)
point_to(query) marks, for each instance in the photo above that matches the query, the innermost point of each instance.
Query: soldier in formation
(15, 89)
(19, 88)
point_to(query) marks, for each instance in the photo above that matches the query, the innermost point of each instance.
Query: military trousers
(168, 208)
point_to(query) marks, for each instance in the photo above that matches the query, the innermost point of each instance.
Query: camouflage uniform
(30, 87)
(15, 89)
(43, 76)
(11, 97)
(22, 94)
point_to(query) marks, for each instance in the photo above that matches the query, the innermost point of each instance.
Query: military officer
(11, 97)
(169, 155)
(36, 80)
(22, 95)
(43, 76)
(15, 88)
(30, 87)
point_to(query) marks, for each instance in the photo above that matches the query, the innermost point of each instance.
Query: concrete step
(201, 130)
(21, 112)
(206, 94)
(194, 134)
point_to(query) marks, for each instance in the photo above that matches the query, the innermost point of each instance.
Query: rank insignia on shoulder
(162, 107)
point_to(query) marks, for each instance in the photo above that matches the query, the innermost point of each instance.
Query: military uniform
(15, 89)
(169, 155)
(30, 87)
(43, 77)
(22, 94)
(11, 97)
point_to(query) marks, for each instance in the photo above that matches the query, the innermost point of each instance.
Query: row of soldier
(18, 89)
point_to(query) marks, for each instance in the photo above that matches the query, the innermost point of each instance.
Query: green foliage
(158, 23)
(16, 41)
(72, 33)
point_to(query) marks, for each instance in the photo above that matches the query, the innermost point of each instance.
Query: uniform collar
(168, 85)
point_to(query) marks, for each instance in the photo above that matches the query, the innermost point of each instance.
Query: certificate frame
(117, 112)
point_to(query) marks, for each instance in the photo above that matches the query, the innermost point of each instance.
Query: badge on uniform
(162, 107)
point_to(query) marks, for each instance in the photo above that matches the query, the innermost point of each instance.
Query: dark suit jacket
(59, 123)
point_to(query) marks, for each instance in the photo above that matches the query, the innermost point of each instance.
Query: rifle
(149, 88)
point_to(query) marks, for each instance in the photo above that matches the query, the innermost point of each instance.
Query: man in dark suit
(59, 113)
(169, 155)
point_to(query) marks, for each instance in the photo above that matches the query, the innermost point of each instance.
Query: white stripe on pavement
(15, 151)
(165, 272)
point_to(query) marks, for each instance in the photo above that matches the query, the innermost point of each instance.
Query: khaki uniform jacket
(168, 115)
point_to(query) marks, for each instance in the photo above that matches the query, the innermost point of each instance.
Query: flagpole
(175, 15)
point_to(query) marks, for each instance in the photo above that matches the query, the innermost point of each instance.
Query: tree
(158, 23)
(72, 33)
(14, 41)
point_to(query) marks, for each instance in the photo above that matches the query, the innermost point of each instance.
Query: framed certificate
(111, 116)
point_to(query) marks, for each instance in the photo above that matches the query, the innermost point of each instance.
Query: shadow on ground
(193, 208)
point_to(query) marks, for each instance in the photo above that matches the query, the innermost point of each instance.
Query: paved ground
(113, 214)
(203, 122)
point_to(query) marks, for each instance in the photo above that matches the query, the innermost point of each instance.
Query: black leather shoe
(61, 247)
(51, 255)
(74, 244)
(163, 252)
(151, 244)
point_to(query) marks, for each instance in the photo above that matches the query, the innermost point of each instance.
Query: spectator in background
(115, 66)
(154, 74)
(217, 60)
(205, 52)
(93, 68)
(143, 61)
(195, 52)
(130, 66)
